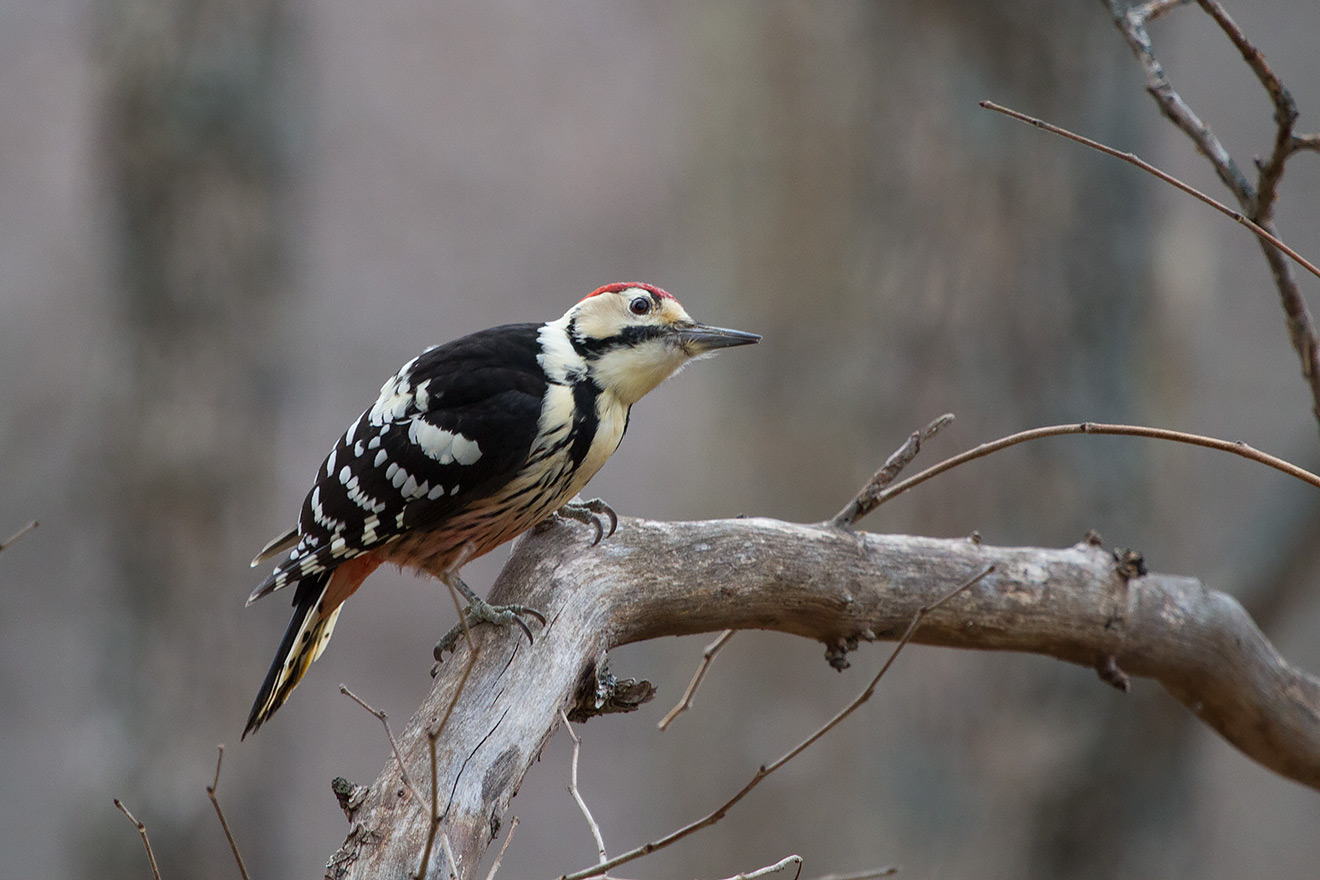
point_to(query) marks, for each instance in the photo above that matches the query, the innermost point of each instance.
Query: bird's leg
(478, 611)
(590, 513)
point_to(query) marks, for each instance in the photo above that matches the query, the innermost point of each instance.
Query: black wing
(451, 427)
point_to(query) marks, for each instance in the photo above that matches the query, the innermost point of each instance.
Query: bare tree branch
(215, 802)
(888, 870)
(1133, 159)
(577, 794)
(394, 744)
(4, 545)
(985, 449)
(770, 869)
(765, 770)
(499, 856)
(657, 579)
(1257, 201)
(142, 832)
(707, 657)
(871, 495)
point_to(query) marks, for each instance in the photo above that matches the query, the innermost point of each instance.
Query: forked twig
(871, 495)
(1258, 201)
(394, 744)
(984, 449)
(766, 769)
(215, 802)
(499, 856)
(707, 657)
(868, 498)
(142, 832)
(577, 795)
(1133, 159)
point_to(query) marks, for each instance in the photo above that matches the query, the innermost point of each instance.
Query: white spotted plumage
(469, 444)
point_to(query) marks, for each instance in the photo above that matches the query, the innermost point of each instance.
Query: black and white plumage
(470, 444)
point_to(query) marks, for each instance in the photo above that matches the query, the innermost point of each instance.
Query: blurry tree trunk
(194, 177)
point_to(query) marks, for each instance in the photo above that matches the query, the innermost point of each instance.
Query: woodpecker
(468, 445)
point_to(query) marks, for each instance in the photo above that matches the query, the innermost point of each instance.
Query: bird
(468, 445)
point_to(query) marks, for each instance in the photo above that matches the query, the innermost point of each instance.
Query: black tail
(303, 641)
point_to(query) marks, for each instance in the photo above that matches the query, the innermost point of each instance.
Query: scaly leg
(478, 611)
(590, 513)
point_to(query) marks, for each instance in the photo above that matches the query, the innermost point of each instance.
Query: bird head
(634, 336)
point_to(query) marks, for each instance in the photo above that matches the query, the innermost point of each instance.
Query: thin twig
(449, 854)
(499, 856)
(394, 744)
(766, 769)
(577, 795)
(984, 449)
(1257, 201)
(142, 832)
(868, 499)
(1132, 159)
(1285, 112)
(434, 735)
(770, 869)
(215, 802)
(435, 811)
(20, 533)
(1133, 28)
(707, 657)
(887, 871)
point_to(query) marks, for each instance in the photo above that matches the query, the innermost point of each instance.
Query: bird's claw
(481, 611)
(589, 513)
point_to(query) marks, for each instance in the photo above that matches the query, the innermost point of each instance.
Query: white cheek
(631, 373)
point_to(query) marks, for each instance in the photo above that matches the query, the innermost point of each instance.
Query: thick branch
(660, 579)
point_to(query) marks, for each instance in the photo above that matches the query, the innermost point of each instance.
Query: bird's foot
(481, 611)
(590, 513)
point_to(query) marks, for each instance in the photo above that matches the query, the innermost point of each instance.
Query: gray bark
(666, 579)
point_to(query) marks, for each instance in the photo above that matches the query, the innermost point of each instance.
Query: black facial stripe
(631, 335)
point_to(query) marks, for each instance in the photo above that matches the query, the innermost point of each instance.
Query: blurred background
(224, 224)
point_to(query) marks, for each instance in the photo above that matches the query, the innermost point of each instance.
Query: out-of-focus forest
(224, 224)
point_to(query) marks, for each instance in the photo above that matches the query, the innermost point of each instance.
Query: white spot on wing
(369, 528)
(395, 396)
(465, 451)
(441, 445)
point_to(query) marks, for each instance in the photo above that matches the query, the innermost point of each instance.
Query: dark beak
(701, 338)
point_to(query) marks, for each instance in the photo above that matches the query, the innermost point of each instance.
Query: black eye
(640, 306)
